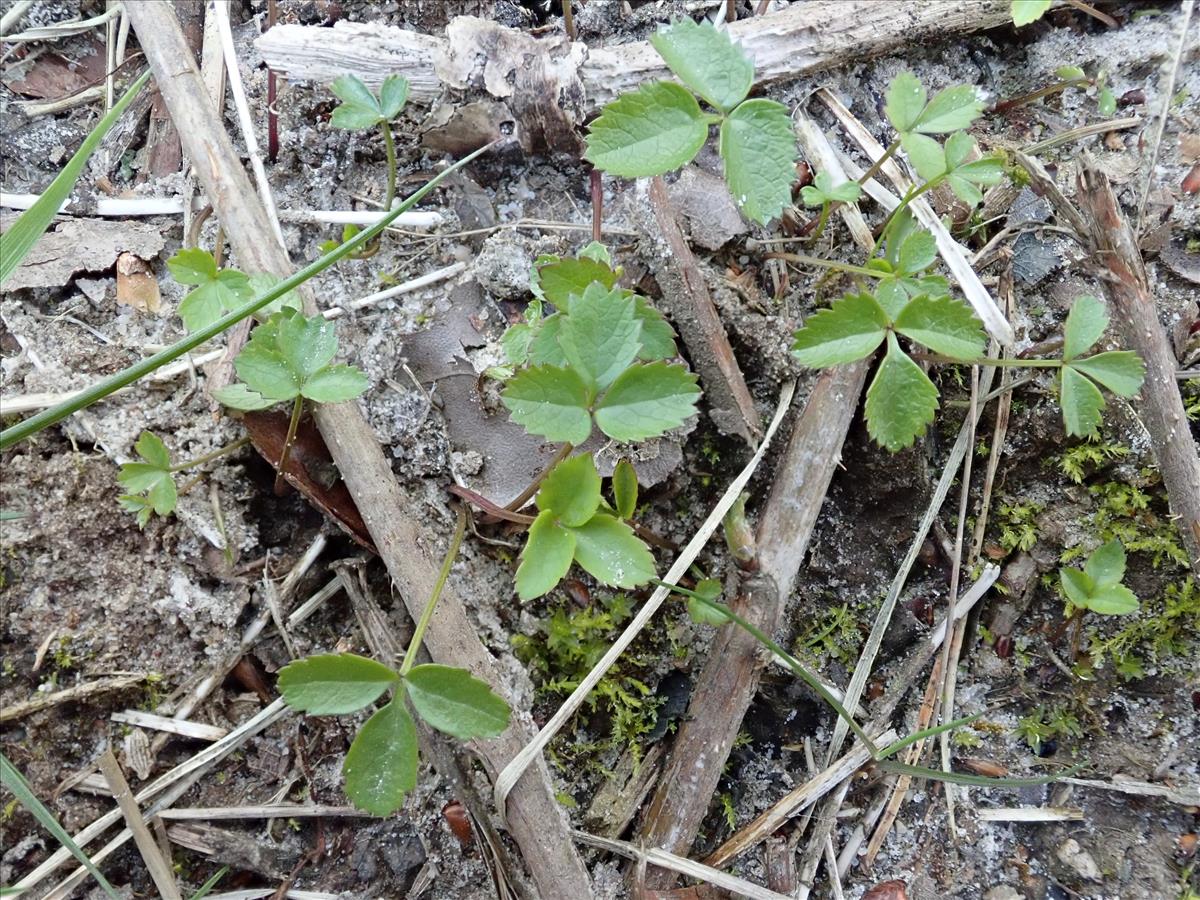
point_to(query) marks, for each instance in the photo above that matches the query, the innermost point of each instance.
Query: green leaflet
(901, 400)
(850, 329)
(654, 130)
(362, 109)
(1025, 12)
(1098, 587)
(648, 399)
(1085, 325)
(1121, 371)
(609, 550)
(571, 492)
(823, 190)
(334, 684)
(600, 336)
(453, 701)
(707, 61)
(943, 324)
(759, 150)
(546, 557)
(1081, 403)
(625, 489)
(550, 401)
(381, 767)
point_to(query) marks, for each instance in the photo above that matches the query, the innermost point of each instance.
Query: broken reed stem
(158, 866)
(414, 646)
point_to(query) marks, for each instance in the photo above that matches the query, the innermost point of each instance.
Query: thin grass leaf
(206, 888)
(15, 782)
(899, 768)
(893, 749)
(32, 224)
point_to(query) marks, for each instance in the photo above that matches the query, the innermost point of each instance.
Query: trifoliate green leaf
(950, 110)
(610, 552)
(657, 337)
(381, 766)
(625, 489)
(152, 477)
(549, 549)
(925, 154)
(260, 283)
(759, 150)
(334, 684)
(559, 279)
(651, 131)
(238, 396)
(1121, 371)
(917, 253)
(335, 384)
(1106, 565)
(901, 400)
(707, 61)
(393, 94)
(1081, 403)
(306, 344)
(601, 334)
(550, 401)
(1084, 326)
(850, 329)
(904, 102)
(216, 292)
(1026, 11)
(943, 324)
(647, 400)
(141, 506)
(571, 490)
(267, 373)
(453, 701)
(1077, 586)
(544, 349)
(823, 190)
(1113, 600)
(150, 448)
(359, 109)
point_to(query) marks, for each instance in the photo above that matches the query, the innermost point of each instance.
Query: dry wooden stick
(74, 694)
(686, 296)
(158, 866)
(1123, 275)
(535, 819)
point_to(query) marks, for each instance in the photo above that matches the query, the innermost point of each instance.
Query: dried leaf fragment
(136, 284)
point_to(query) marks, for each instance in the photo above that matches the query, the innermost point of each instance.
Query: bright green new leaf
(950, 110)
(267, 373)
(609, 551)
(333, 684)
(359, 109)
(1106, 102)
(823, 191)
(453, 701)
(703, 613)
(381, 767)
(651, 131)
(1076, 585)
(850, 329)
(1084, 326)
(595, 250)
(1121, 371)
(943, 324)
(335, 384)
(707, 61)
(901, 400)
(1027, 11)
(1081, 402)
(759, 150)
(20, 237)
(572, 490)
(904, 102)
(600, 336)
(1069, 73)
(152, 477)
(549, 549)
(1106, 565)
(238, 396)
(1113, 600)
(647, 400)
(544, 349)
(393, 94)
(216, 292)
(657, 337)
(925, 153)
(625, 488)
(917, 253)
(550, 401)
(557, 280)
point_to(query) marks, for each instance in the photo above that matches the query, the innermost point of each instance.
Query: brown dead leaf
(1189, 147)
(983, 767)
(887, 890)
(136, 284)
(52, 77)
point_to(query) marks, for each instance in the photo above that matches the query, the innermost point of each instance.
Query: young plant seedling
(1097, 586)
(360, 109)
(824, 193)
(1121, 371)
(381, 766)
(661, 127)
(1026, 12)
(151, 482)
(216, 291)
(288, 359)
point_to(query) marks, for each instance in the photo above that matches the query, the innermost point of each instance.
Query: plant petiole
(414, 645)
(390, 146)
(822, 220)
(802, 259)
(878, 164)
(293, 425)
(215, 454)
(1003, 361)
(522, 498)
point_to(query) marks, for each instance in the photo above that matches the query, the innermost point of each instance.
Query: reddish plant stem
(597, 203)
(272, 115)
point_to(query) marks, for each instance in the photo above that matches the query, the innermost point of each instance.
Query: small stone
(1002, 892)
(1079, 860)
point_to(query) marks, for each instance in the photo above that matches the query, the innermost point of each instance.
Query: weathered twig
(158, 866)
(535, 819)
(1124, 278)
(74, 694)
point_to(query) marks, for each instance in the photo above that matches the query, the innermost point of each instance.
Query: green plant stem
(1055, 88)
(522, 498)
(216, 454)
(910, 195)
(878, 164)
(414, 646)
(803, 259)
(822, 220)
(125, 377)
(389, 144)
(293, 425)
(1010, 362)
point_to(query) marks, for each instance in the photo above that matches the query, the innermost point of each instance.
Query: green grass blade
(15, 782)
(206, 888)
(921, 735)
(113, 383)
(32, 224)
(899, 768)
